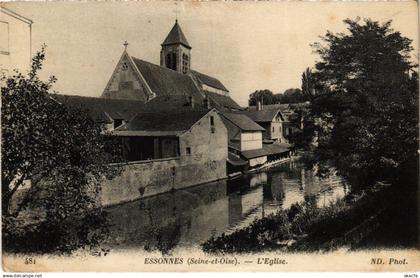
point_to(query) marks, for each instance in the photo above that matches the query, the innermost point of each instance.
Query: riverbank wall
(148, 178)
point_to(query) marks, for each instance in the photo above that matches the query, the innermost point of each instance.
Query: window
(124, 66)
(273, 128)
(188, 151)
(168, 60)
(211, 120)
(185, 63)
(173, 60)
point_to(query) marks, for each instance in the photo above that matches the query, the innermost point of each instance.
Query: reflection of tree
(158, 237)
(164, 238)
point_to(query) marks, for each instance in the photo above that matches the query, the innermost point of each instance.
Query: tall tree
(307, 83)
(265, 96)
(292, 95)
(364, 102)
(53, 161)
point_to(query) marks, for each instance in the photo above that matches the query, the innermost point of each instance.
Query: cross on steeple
(125, 45)
(176, 11)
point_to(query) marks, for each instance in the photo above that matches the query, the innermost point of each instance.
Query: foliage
(267, 97)
(62, 152)
(262, 234)
(308, 83)
(264, 96)
(363, 95)
(291, 96)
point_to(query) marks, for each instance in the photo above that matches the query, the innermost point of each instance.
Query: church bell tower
(176, 52)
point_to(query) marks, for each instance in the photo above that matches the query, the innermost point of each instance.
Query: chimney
(191, 101)
(258, 105)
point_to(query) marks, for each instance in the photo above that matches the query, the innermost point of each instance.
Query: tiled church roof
(164, 81)
(167, 82)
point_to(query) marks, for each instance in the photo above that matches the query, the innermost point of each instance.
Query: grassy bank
(306, 227)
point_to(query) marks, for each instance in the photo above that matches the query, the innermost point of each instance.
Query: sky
(247, 45)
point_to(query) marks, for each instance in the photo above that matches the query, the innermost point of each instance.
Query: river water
(188, 217)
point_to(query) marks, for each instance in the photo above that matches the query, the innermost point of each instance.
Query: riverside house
(246, 147)
(271, 120)
(166, 151)
(289, 119)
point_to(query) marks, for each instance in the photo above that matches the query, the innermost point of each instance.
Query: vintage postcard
(157, 136)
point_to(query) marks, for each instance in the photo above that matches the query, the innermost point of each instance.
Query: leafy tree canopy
(363, 94)
(265, 96)
(64, 156)
(292, 95)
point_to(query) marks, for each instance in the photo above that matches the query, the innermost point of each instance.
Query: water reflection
(185, 218)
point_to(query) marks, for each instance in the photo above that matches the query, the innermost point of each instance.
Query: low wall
(148, 178)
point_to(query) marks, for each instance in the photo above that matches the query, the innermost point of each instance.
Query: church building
(140, 80)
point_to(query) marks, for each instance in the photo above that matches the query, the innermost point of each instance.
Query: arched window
(173, 64)
(168, 60)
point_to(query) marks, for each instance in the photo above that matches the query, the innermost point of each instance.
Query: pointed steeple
(176, 36)
(175, 53)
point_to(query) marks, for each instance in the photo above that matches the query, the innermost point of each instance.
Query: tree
(63, 153)
(307, 83)
(265, 96)
(363, 102)
(293, 95)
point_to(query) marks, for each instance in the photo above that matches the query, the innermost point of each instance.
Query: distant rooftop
(242, 121)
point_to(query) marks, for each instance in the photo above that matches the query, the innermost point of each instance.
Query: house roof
(102, 109)
(154, 133)
(169, 102)
(208, 80)
(222, 102)
(267, 149)
(262, 115)
(242, 121)
(164, 122)
(287, 109)
(176, 36)
(282, 106)
(105, 110)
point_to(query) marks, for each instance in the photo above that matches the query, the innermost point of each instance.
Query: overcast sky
(248, 46)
